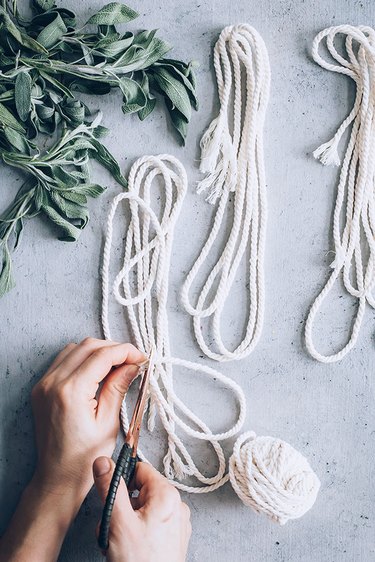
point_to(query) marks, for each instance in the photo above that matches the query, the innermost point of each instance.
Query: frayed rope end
(327, 153)
(211, 144)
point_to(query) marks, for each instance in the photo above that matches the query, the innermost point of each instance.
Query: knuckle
(63, 394)
(88, 342)
(101, 353)
(40, 389)
(170, 496)
(130, 347)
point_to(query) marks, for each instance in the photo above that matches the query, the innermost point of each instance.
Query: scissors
(127, 459)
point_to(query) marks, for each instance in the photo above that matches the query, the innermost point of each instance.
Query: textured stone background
(325, 411)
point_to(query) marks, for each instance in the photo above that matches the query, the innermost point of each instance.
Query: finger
(186, 513)
(114, 388)
(156, 495)
(79, 354)
(145, 476)
(61, 356)
(123, 513)
(136, 504)
(97, 366)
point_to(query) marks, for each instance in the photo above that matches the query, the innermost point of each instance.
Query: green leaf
(105, 158)
(22, 95)
(37, 92)
(17, 231)
(134, 97)
(65, 178)
(70, 210)
(70, 233)
(144, 38)
(57, 84)
(174, 90)
(45, 112)
(108, 34)
(17, 140)
(179, 121)
(90, 87)
(45, 4)
(74, 196)
(184, 73)
(52, 33)
(147, 109)
(41, 198)
(145, 84)
(68, 16)
(99, 132)
(6, 278)
(7, 118)
(137, 58)
(22, 38)
(90, 189)
(82, 143)
(113, 13)
(117, 47)
(74, 110)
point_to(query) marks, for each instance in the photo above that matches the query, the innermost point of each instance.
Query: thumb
(114, 388)
(123, 512)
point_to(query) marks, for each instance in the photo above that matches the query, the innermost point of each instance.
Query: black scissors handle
(125, 467)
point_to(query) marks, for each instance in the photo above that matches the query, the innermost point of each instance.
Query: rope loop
(141, 286)
(232, 158)
(354, 212)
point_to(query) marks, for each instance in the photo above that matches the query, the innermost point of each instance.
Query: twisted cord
(273, 479)
(354, 212)
(232, 157)
(141, 286)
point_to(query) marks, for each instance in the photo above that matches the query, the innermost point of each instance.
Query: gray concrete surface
(325, 411)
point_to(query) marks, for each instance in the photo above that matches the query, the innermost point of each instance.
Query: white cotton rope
(232, 157)
(274, 478)
(354, 212)
(146, 264)
(271, 477)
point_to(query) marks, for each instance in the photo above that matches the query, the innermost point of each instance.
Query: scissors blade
(132, 436)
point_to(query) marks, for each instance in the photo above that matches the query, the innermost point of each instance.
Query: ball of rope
(272, 477)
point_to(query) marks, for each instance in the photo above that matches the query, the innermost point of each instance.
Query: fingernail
(101, 466)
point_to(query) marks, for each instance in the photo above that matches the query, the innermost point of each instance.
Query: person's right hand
(154, 527)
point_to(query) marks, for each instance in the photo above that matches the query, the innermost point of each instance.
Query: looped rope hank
(232, 156)
(271, 477)
(146, 264)
(275, 479)
(354, 212)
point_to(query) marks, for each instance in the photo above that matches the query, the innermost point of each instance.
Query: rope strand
(232, 157)
(354, 213)
(148, 243)
(266, 473)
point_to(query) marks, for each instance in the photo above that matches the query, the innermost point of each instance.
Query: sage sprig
(48, 133)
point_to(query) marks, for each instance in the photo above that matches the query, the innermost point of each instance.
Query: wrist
(40, 522)
(66, 493)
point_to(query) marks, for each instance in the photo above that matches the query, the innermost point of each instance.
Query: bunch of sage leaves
(44, 62)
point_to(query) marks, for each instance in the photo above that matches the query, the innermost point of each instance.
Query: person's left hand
(74, 422)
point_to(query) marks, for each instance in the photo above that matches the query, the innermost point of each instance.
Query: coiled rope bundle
(263, 473)
(232, 157)
(272, 477)
(354, 212)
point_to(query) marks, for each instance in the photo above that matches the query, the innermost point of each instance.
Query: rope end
(327, 153)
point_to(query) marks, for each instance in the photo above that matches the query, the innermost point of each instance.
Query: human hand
(75, 423)
(154, 526)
